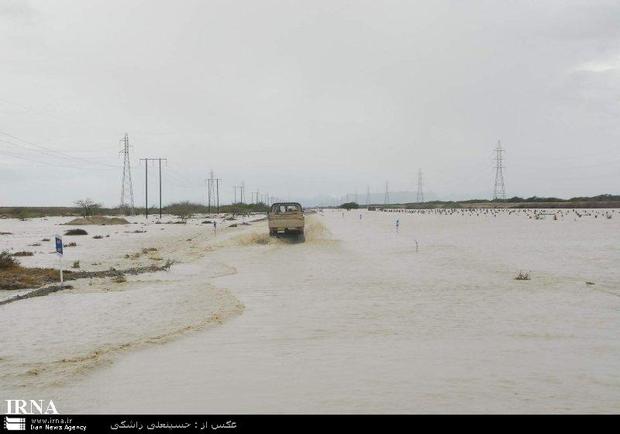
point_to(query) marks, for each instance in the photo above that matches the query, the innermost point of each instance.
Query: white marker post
(59, 252)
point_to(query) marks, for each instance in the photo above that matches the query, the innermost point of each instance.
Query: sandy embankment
(89, 324)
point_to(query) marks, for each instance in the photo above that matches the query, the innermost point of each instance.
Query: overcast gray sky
(308, 98)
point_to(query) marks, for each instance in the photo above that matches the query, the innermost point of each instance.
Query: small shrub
(350, 205)
(98, 237)
(7, 260)
(76, 232)
(76, 264)
(72, 244)
(45, 239)
(522, 276)
(184, 210)
(23, 253)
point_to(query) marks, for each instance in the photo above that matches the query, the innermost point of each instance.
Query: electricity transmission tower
(420, 195)
(499, 192)
(386, 198)
(127, 185)
(213, 192)
(146, 183)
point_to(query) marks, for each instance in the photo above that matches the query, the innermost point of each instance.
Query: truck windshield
(282, 208)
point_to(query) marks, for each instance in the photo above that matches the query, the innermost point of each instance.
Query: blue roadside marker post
(59, 252)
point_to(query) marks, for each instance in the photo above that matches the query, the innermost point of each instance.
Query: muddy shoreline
(46, 290)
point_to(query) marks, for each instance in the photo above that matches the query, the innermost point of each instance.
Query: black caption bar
(280, 423)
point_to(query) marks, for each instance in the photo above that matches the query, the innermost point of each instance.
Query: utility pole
(209, 190)
(499, 191)
(420, 195)
(386, 198)
(367, 195)
(235, 193)
(242, 188)
(159, 161)
(146, 184)
(217, 194)
(127, 184)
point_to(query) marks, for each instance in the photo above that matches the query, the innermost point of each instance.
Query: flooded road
(359, 318)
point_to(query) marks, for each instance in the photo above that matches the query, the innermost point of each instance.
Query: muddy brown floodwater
(360, 318)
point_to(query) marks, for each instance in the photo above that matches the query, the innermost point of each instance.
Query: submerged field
(362, 317)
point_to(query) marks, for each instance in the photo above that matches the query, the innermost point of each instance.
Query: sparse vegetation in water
(7, 260)
(23, 253)
(76, 232)
(14, 276)
(24, 214)
(97, 220)
(350, 205)
(522, 275)
(88, 207)
(184, 210)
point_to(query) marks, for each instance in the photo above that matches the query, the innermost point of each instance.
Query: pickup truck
(287, 217)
